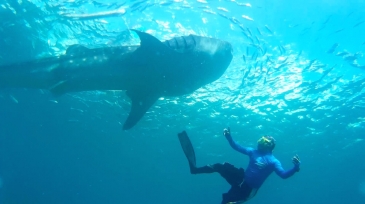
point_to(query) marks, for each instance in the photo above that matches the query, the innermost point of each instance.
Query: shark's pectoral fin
(140, 105)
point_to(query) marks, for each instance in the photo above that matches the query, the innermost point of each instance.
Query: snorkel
(266, 144)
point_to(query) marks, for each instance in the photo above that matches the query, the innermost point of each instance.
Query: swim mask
(266, 143)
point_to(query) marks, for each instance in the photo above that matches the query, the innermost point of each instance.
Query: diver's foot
(193, 169)
(202, 170)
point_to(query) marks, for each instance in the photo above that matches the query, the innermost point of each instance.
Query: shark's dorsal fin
(149, 41)
(153, 47)
(140, 104)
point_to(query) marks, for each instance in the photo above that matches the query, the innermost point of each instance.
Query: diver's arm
(279, 170)
(234, 145)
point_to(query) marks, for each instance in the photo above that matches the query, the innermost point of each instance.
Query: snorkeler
(244, 184)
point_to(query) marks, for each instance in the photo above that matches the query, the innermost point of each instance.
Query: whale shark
(145, 72)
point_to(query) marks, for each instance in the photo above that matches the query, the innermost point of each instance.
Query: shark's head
(213, 56)
(205, 59)
(219, 52)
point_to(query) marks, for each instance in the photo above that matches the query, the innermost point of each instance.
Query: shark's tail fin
(187, 148)
(34, 74)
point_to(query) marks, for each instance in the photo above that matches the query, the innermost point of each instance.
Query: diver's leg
(233, 175)
(238, 194)
(187, 148)
(232, 196)
(202, 170)
(190, 155)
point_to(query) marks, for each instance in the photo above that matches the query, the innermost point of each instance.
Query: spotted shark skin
(146, 72)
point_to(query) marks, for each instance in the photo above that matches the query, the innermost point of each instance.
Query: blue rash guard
(261, 165)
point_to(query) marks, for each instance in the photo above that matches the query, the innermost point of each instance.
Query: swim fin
(188, 149)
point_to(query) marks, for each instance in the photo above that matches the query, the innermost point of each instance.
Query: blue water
(71, 149)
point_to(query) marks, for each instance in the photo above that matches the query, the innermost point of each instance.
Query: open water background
(71, 149)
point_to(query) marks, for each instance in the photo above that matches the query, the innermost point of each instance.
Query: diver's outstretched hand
(296, 161)
(227, 132)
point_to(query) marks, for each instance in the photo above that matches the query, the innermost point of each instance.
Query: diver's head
(266, 144)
